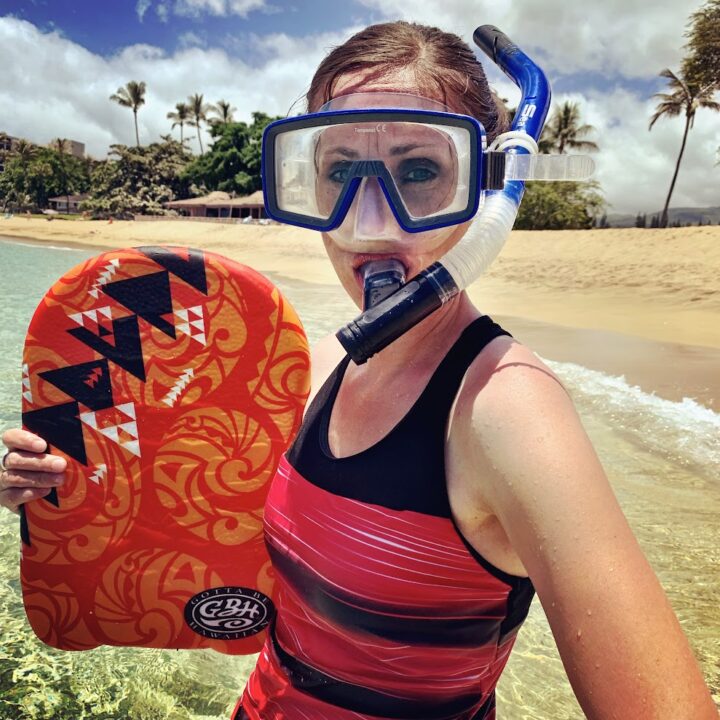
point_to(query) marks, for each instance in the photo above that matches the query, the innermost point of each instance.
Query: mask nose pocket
(372, 213)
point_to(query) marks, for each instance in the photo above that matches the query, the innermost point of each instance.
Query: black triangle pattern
(60, 425)
(127, 350)
(147, 296)
(52, 498)
(192, 270)
(88, 383)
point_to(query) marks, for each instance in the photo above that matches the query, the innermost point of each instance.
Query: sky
(62, 59)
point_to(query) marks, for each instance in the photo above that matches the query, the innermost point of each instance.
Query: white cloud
(194, 8)
(162, 9)
(629, 37)
(141, 8)
(635, 166)
(191, 39)
(61, 90)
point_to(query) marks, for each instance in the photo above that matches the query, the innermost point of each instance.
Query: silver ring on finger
(2, 461)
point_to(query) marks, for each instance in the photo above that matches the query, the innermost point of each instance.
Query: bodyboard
(172, 380)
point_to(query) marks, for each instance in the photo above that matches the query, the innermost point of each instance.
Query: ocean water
(662, 458)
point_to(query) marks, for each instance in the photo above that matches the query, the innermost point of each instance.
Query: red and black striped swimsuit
(385, 611)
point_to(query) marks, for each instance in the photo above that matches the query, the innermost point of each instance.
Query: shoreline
(663, 337)
(652, 365)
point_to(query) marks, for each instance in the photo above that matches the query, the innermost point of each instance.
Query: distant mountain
(683, 215)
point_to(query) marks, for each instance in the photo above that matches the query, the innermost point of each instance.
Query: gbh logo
(228, 613)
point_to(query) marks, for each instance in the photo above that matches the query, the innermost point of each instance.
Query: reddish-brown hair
(443, 64)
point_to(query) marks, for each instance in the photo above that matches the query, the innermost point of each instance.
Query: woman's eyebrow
(402, 149)
(342, 150)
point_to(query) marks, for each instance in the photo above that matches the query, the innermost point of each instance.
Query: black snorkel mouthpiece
(380, 279)
(393, 316)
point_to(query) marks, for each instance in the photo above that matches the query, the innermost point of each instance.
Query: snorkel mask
(430, 167)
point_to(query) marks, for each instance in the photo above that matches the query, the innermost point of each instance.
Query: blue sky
(62, 59)
(106, 27)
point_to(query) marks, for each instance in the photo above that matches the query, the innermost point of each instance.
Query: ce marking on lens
(380, 127)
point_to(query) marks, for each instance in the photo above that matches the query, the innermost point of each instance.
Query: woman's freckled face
(416, 251)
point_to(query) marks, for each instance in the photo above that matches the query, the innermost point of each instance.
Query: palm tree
(565, 131)
(224, 111)
(131, 96)
(62, 145)
(688, 98)
(25, 151)
(181, 116)
(198, 111)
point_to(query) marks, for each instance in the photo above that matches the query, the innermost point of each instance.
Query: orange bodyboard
(172, 380)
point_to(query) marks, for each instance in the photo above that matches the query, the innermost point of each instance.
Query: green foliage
(37, 682)
(702, 64)
(29, 179)
(233, 162)
(565, 131)
(140, 179)
(559, 206)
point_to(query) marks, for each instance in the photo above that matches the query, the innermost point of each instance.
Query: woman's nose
(374, 218)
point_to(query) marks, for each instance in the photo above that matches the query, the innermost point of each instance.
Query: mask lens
(423, 160)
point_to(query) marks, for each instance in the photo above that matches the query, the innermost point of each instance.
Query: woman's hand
(28, 472)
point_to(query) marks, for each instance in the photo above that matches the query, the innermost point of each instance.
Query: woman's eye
(419, 174)
(418, 171)
(338, 172)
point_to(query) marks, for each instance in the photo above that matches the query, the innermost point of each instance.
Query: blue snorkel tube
(381, 324)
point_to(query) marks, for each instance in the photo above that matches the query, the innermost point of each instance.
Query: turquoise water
(662, 458)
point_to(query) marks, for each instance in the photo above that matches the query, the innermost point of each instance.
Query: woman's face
(370, 230)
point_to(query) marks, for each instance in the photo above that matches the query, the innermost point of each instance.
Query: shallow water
(662, 458)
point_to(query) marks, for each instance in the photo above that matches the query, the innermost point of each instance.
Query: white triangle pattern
(89, 419)
(127, 409)
(27, 392)
(108, 271)
(79, 318)
(99, 474)
(112, 432)
(193, 323)
(178, 387)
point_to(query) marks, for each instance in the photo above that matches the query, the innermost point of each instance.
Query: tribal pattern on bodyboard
(172, 380)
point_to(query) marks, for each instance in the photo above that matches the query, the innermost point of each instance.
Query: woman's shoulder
(507, 395)
(503, 370)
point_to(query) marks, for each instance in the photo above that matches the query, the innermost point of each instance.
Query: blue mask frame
(373, 168)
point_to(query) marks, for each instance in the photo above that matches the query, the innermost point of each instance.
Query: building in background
(221, 205)
(7, 144)
(67, 203)
(76, 148)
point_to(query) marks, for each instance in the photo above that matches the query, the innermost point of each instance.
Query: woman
(433, 489)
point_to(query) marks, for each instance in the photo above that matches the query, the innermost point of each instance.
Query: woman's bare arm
(622, 646)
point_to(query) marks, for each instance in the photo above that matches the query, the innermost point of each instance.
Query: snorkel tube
(393, 316)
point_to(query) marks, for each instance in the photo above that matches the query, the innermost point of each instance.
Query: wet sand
(644, 304)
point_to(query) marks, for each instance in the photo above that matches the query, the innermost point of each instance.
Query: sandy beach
(640, 303)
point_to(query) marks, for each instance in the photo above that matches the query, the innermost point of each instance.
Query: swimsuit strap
(411, 453)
